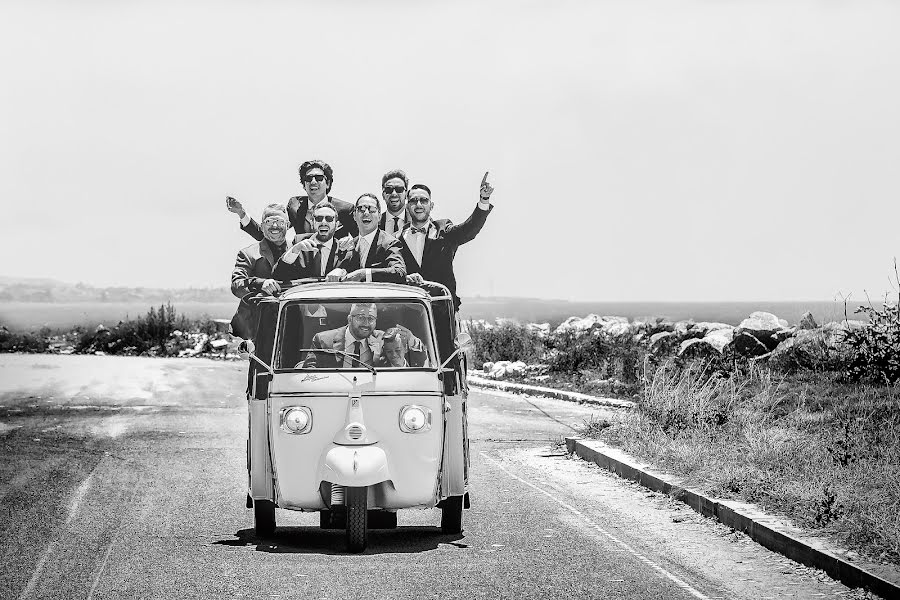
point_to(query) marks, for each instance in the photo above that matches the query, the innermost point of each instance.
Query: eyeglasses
(326, 218)
(274, 221)
(399, 189)
(311, 178)
(363, 318)
(418, 201)
(366, 208)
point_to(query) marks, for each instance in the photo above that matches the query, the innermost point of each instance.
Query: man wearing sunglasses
(375, 255)
(313, 256)
(317, 177)
(252, 272)
(394, 185)
(429, 246)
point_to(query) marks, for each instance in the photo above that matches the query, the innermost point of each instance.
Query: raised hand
(234, 206)
(486, 188)
(307, 245)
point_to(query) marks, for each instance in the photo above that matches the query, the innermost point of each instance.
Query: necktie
(357, 347)
(323, 260)
(396, 225)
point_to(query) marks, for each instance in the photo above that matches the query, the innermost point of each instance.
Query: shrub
(147, 334)
(23, 342)
(875, 348)
(608, 356)
(506, 341)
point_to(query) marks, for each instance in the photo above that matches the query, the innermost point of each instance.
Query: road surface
(125, 478)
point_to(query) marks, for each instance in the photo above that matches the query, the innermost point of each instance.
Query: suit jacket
(438, 255)
(254, 265)
(333, 339)
(308, 264)
(298, 206)
(385, 258)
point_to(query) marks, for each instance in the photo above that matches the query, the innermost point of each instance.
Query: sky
(657, 151)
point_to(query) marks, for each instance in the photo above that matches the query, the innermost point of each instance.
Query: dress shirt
(365, 353)
(389, 223)
(324, 253)
(363, 246)
(416, 241)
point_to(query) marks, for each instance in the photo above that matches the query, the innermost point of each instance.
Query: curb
(766, 530)
(545, 391)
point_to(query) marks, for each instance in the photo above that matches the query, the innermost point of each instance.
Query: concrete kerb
(766, 530)
(536, 390)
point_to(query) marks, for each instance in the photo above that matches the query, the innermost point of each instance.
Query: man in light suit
(357, 341)
(317, 177)
(429, 246)
(252, 272)
(375, 256)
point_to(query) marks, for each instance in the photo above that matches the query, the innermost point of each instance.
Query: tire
(264, 518)
(357, 519)
(451, 515)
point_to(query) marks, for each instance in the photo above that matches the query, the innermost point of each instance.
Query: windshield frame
(433, 350)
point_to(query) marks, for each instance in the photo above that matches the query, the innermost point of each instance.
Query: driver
(358, 339)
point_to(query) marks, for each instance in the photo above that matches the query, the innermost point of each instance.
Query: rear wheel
(264, 517)
(357, 519)
(451, 514)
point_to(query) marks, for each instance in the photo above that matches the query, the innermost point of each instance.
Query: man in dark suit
(252, 272)
(394, 187)
(313, 255)
(357, 341)
(375, 256)
(317, 177)
(429, 246)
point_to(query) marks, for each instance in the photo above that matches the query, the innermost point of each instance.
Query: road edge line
(731, 515)
(508, 386)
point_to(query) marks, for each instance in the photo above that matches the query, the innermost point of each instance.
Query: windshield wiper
(342, 353)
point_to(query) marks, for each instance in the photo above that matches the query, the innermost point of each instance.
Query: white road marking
(37, 571)
(75, 502)
(671, 576)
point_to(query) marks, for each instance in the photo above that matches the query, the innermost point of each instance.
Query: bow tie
(418, 230)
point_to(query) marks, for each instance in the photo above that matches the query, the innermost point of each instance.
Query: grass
(822, 452)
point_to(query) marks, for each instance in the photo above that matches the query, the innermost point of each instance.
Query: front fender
(354, 466)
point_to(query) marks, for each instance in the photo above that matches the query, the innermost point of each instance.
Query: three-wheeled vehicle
(357, 436)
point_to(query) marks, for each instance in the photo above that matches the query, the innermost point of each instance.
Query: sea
(24, 316)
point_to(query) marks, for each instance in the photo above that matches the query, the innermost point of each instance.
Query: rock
(720, 338)
(707, 326)
(607, 324)
(101, 327)
(542, 330)
(807, 321)
(486, 367)
(746, 343)
(697, 348)
(504, 368)
(759, 334)
(763, 321)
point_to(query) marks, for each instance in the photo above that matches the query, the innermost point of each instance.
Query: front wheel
(357, 518)
(451, 514)
(264, 517)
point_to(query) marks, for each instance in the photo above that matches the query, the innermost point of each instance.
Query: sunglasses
(418, 201)
(326, 218)
(274, 221)
(311, 178)
(367, 209)
(399, 189)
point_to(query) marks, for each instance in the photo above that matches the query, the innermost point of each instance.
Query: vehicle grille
(355, 432)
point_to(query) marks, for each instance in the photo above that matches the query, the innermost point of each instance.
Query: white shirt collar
(369, 237)
(349, 340)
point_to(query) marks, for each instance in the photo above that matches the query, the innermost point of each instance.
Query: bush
(607, 356)
(875, 348)
(23, 342)
(506, 341)
(144, 335)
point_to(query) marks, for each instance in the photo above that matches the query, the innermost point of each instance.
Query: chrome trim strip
(344, 394)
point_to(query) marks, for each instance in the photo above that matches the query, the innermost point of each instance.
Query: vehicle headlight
(414, 419)
(297, 419)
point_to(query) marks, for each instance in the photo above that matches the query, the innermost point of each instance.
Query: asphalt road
(125, 478)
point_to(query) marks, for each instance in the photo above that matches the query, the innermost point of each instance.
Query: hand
(336, 275)
(234, 206)
(486, 188)
(270, 286)
(345, 243)
(357, 275)
(415, 279)
(307, 245)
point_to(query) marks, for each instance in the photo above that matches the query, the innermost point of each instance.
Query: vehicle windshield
(384, 334)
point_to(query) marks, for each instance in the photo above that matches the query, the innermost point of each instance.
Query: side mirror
(463, 341)
(246, 349)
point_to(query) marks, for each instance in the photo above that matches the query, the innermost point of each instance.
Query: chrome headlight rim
(426, 418)
(285, 415)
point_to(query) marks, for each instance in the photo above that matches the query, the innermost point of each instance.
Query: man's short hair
(421, 186)
(396, 173)
(324, 204)
(317, 164)
(368, 195)
(275, 209)
(395, 334)
(367, 306)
